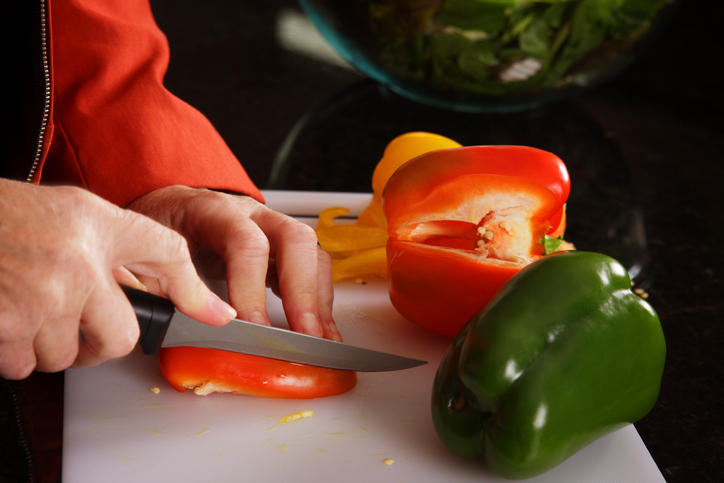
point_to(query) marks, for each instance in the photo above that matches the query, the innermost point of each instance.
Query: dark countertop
(647, 144)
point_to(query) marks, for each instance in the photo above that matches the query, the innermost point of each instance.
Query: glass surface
(489, 55)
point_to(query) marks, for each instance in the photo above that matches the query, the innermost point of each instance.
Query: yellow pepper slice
(346, 238)
(367, 263)
(327, 216)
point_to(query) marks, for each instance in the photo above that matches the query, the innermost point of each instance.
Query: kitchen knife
(163, 326)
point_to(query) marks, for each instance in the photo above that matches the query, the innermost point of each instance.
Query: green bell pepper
(564, 354)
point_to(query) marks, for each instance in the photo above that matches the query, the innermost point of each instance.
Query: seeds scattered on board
(155, 390)
(388, 461)
(295, 416)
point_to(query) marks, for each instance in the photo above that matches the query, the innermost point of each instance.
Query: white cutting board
(117, 430)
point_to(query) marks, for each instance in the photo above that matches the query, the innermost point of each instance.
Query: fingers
(106, 331)
(247, 260)
(108, 324)
(56, 344)
(153, 251)
(31, 340)
(124, 277)
(262, 247)
(325, 297)
(325, 293)
(293, 246)
(17, 356)
(16, 362)
(39, 319)
(302, 274)
(258, 247)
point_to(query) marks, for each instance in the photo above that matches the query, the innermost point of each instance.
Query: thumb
(149, 249)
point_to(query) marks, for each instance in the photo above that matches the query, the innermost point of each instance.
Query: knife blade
(163, 326)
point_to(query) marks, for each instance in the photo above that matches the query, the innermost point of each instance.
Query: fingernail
(310, 324)
(336, 334)
(257, 317)
(222, 308)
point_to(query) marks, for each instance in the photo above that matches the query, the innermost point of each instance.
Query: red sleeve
(118, 131)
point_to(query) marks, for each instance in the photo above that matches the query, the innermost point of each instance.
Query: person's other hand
(255, 247)
(61, 249)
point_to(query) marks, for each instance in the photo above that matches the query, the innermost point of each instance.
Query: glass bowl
(489, 55)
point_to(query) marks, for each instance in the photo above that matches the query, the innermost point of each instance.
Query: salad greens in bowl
(488, 55)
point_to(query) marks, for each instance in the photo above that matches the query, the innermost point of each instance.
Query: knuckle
(16, 363)
(120, 346)
(18, 371)
(250, 241)
(123, 348)
(303, 232)
(59, 362)
(206, 202)
(58, 295)
(78, 205)
(125, 342)
(174, 244)
(299, 233)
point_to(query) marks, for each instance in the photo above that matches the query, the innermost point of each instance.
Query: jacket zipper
(15, 413)
(46, 102)
(16, 409)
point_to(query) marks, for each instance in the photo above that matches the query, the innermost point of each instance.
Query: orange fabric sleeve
(118, 131)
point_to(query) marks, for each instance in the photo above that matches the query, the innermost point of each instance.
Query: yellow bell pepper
(399, 151)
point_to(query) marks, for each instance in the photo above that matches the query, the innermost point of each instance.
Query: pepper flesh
(462, 221)
(211, 370)
(564, 354)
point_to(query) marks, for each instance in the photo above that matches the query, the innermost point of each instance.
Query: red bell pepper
(462, 221)
(212, 370)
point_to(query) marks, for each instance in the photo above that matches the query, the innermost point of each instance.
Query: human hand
(255, 247)
(60, 248)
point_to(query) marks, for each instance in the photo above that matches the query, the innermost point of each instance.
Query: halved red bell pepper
(462, 221)
(212, 370)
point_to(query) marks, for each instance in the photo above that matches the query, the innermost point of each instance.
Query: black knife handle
(154, 314)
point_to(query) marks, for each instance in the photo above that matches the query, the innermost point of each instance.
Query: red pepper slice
(462, 221)
(211, 370)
